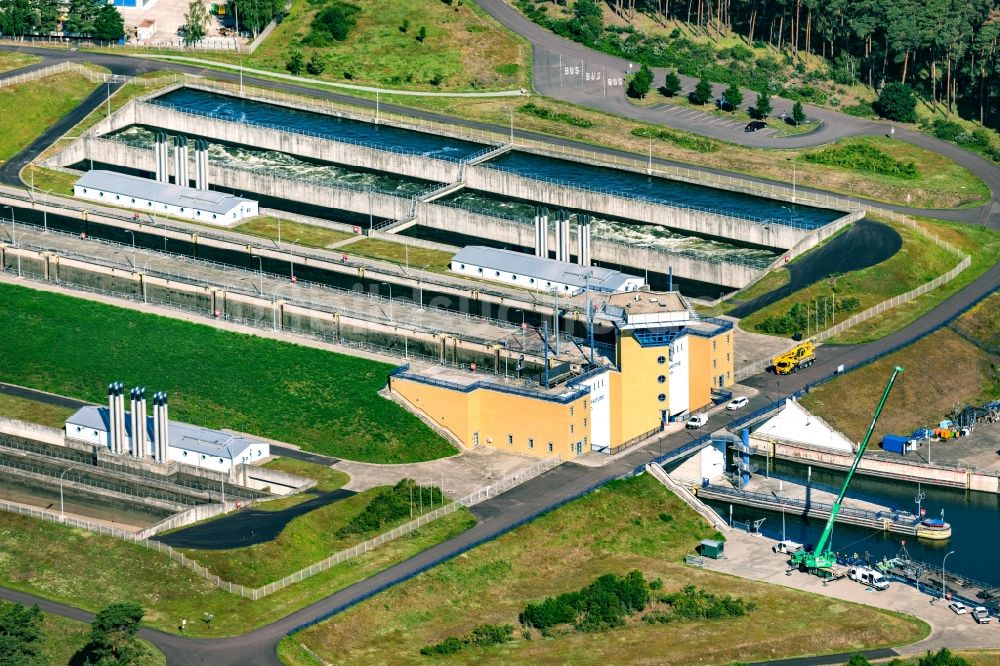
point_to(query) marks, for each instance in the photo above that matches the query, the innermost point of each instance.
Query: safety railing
(59, 68)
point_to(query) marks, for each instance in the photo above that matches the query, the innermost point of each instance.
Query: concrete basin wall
(514, 185)
(511, 232)
(120, 154)
(347, 154)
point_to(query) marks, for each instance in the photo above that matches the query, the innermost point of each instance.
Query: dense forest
(947, 50)
(81, 18)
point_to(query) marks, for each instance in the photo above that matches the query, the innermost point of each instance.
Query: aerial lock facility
(666, 363)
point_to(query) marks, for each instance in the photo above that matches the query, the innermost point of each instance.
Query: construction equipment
(801, 356)
(822, 560)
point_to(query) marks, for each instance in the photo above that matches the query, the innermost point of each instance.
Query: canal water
(974, 518)
(283, 165)
(661, 190)
(277, 117)
(630, 233)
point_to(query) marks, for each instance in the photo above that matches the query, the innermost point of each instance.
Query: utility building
(667, 362)
(161, 198)
(539, 273)
(157, 439)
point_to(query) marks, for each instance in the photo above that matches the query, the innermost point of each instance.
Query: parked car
(958, 608)
(786, 547)
(869, 577)
(723, 105)
(981, 615)
(754, 126)
(697, 421)
(737, 403)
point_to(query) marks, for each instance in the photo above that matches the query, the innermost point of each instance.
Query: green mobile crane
(822, 559)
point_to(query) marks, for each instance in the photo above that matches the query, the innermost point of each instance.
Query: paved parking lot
(708, 119)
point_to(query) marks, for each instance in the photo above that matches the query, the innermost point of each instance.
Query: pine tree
(671, 85)
(733, 96)
(702, 92)
(762, 108)
(109, 26)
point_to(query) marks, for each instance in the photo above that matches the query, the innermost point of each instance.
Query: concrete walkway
(751, 557)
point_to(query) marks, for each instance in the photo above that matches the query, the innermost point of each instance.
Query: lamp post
(261, 261)
(62, 513)
(524, 331)
(132, 234)
(291, 261)
(390, 299)
(944, 582)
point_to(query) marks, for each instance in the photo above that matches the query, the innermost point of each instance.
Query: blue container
(894, 444)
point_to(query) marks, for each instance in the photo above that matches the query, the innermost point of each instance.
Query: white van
(869, 577)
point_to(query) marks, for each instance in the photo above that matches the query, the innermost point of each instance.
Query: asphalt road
(989, 214)
(500, 514)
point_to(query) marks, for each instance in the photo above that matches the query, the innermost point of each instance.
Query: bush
(640, 83)
(688, 141)
(798, 113)
(405, 25)
(295, 62)
(316, 64)
(604, 603)
(897, 102)
(862, 110)
(389, 506)
(334, 23)
(450, 645)
(864, 158)
(421, 34)
(483, 635)
(697, 604)
(545, 113)
(666, 517)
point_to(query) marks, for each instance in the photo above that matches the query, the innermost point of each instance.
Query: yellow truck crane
(801, 356)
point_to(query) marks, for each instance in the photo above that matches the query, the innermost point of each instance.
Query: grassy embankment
(308, 538)
(25, 409)
(957, 365)
(9, 61)
(400, 252)
(90, 571)
(918, 261)
(614, 530)
(62, 638)
(292, 232)
(30, 108)
(323, 401)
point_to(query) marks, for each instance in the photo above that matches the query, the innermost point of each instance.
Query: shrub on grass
(671, 85)
(701, 93)
(316, 64)
(603, 604)
(861, 110)
(545, 113)
(332, 24)
(295, 62)
(484, 635)
(897, 102)
(390, 505)
(693, 603)
(798, 113)
(865, 158)
(689, 141)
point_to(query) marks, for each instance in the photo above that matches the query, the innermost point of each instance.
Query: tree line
(83, 18)
(945, 49)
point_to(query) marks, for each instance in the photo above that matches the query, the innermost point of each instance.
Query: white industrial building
(539, 273)
(114, 428)
(798, 425)
(150, 196)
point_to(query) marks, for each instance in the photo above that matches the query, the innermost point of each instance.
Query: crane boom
(821, 557)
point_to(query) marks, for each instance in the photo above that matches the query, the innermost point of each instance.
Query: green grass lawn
(845, 401)
(401, 253)
(307, 539)
(982, 244)
(322, 401)
(291, 232)
(90, 571)
(327, 478)
(614, 530)
(918, 261)
(62, 638)
(464, 49)
(9, 61)
(30, 108)
(34, 411)
(49, 180)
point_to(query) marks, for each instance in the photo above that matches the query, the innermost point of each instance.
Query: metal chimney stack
(201, 164)
(562, 236)
(160, 421)
(134, 407)
(181, 161)
(541, 232)
(111, 416)
(164, 157)
(583, 240)
(120, 418)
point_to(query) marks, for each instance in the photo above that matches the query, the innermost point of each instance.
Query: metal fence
(254, 594)
(52, 70)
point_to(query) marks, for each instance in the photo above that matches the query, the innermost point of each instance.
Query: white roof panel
(151, 190)
(541, 268)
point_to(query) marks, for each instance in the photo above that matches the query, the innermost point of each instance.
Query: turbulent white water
(284, 165)
(634, 234)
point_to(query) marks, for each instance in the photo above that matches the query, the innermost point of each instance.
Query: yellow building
(666, 364)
